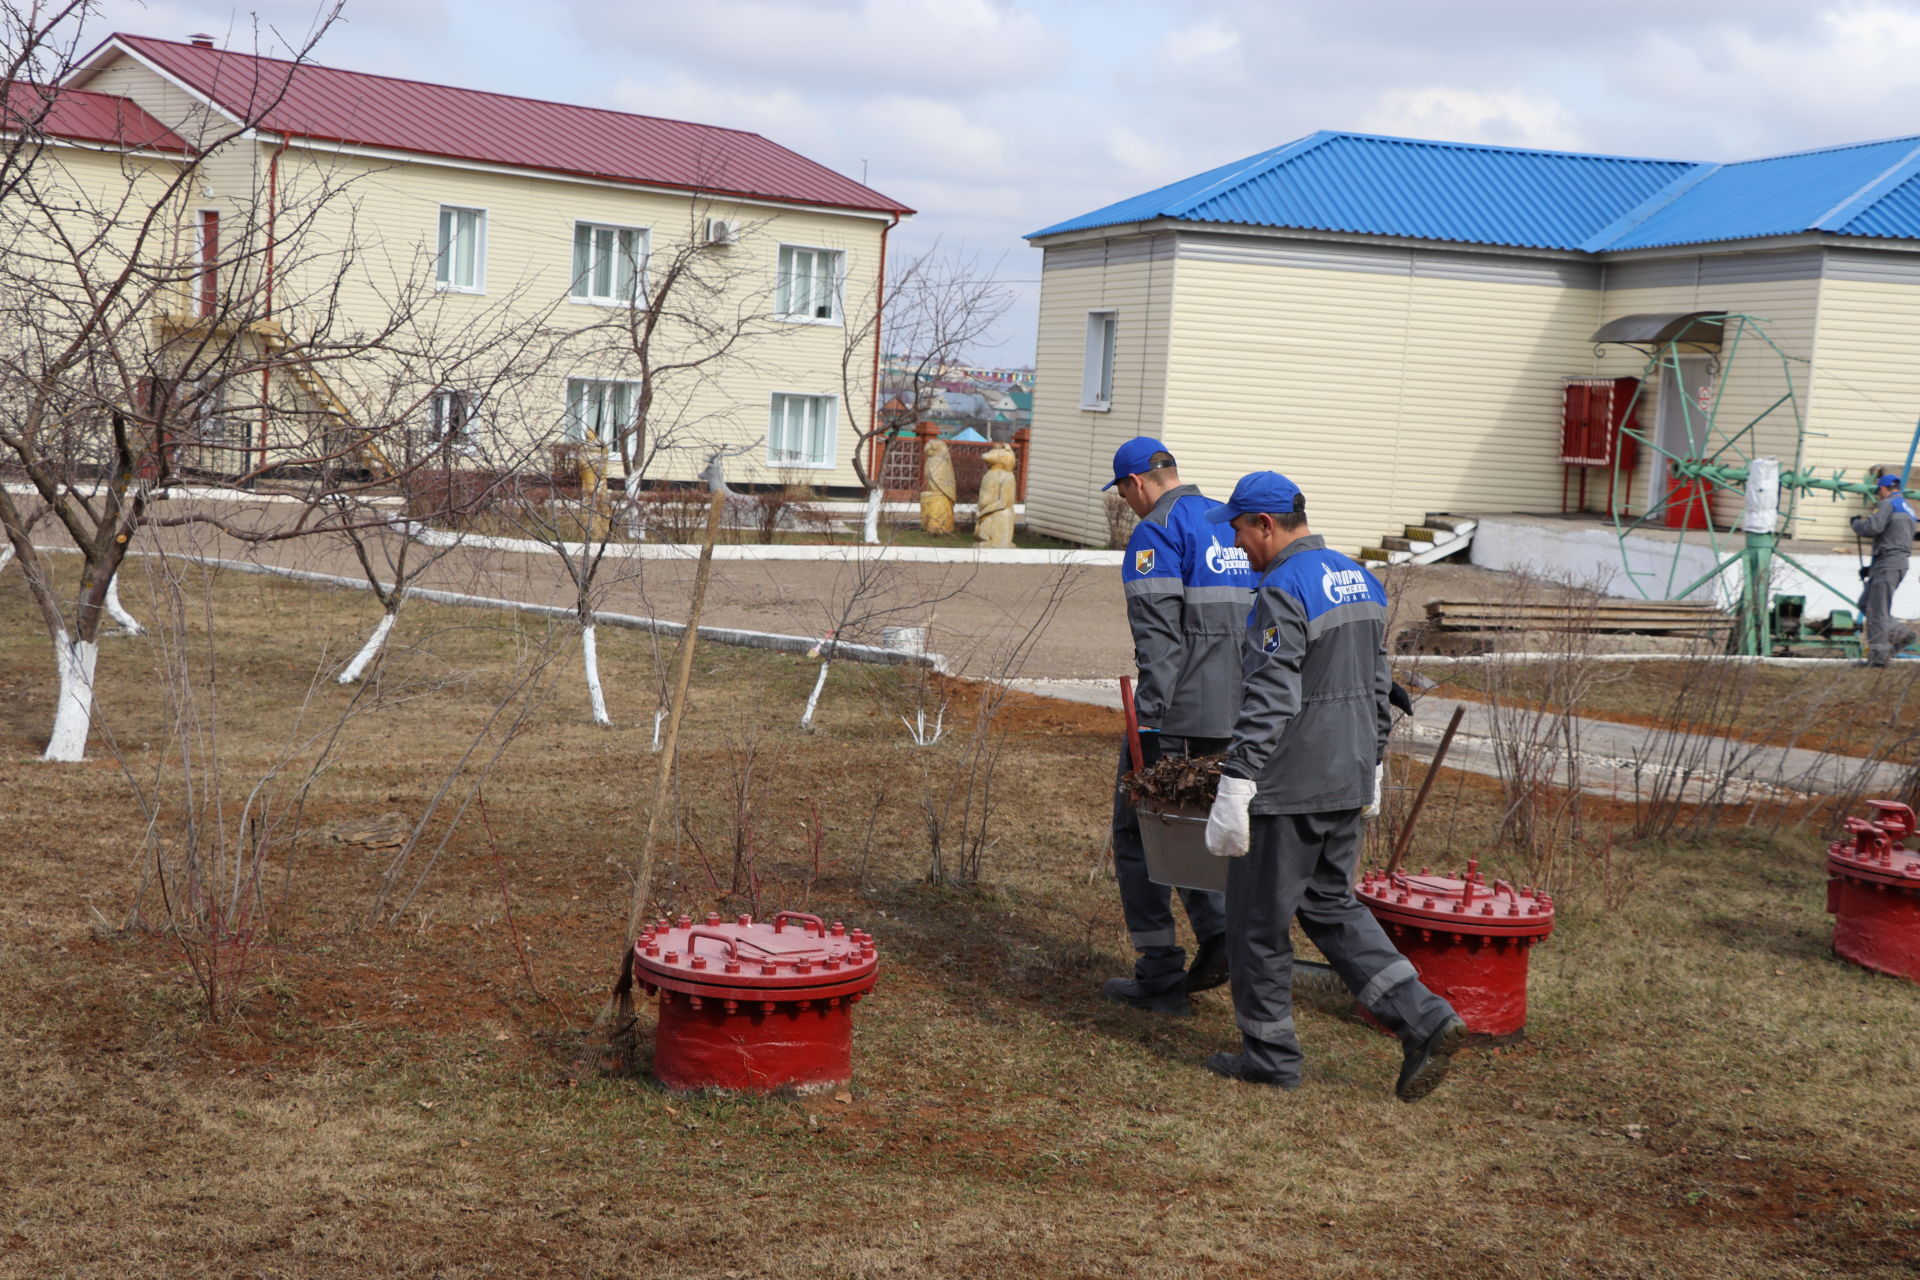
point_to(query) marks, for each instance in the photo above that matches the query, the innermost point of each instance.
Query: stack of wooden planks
(1640, 617)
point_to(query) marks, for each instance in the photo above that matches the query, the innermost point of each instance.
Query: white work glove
(1229, 829)
(1373, 806)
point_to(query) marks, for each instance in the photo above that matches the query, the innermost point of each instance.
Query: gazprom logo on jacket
(1227, 559)
(1143, 561)
(1342, 585)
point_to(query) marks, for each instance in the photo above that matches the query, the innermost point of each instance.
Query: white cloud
(1201, 42)
(829, 47)
(1507, 117)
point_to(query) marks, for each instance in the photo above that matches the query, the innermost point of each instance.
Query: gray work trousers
(1148, 907)
(1876, 609)
(1302, 864)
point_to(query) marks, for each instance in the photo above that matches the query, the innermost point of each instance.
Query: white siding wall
(1866, 391)
(1385, 397)
(1072, 449)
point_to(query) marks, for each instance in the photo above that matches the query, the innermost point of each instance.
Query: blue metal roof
(1466, 193)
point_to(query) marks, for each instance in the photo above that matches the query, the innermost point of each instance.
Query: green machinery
(1710, 439)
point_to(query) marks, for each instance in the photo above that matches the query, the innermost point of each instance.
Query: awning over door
(1657, 328)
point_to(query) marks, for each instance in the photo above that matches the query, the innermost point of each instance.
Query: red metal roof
(83, 116)
(326, 104)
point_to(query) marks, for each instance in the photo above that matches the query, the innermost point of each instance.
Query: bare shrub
(1533, 712)
(1120, 522)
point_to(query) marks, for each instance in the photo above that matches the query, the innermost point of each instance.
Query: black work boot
(1132, 991)
(1427, 1062)
(1209, 967)
(1234, 1067)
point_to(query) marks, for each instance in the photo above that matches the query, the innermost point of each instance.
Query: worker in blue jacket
(1187, 589)
(1891, 528)
(1302, 769)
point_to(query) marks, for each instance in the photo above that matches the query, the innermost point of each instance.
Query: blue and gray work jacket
(1314, 715)
(1891, 528)
(1187, 589)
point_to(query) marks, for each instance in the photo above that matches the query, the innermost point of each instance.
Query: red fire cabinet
(1594, 415)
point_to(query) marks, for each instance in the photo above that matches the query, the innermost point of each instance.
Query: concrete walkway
(1604, 756)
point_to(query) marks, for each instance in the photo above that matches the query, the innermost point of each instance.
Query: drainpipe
(273, 209)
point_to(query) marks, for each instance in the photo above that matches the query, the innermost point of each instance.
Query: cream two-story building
(552, 263)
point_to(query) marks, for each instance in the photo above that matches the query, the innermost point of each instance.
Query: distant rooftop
(1468, 193)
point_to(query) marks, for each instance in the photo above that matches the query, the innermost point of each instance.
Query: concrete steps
(1439, 537)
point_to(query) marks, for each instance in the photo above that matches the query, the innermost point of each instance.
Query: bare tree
(134, 348)
(930, 313)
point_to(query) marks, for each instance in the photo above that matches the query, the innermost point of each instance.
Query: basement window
(462, 250)
(1096, 380)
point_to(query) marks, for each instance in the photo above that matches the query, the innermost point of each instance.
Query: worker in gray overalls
(1187, 589)
(1302, 770)
(1891, 528)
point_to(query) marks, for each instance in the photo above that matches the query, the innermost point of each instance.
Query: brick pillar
(1021, 440)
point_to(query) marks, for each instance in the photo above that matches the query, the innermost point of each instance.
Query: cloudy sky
(997, 117)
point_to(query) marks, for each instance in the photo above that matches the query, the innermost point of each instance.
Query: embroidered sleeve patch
(1143, 560)
(1270, 640)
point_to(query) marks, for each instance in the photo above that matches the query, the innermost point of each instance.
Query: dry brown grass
(1704, 1092)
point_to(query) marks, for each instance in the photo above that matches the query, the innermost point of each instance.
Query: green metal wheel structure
(1715, 445)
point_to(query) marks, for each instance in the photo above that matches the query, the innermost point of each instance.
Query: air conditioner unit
(722, 231)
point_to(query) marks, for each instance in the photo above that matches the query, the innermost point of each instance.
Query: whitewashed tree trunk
(813, 699)
(73, 715)
(118, 612)
(368, 651)
(658, 716)
(870, 531)
(6, 555)
(590, 659)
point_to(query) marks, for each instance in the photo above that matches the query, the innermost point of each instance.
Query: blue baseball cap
(1889, 479)
(1133, 458)
(1267, 491)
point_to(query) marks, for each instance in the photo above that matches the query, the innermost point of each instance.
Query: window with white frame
(800, 430)
(463, 249)
(609, 263)
(601, 409)
(1096, 381)
(449, 416)
(807, 283)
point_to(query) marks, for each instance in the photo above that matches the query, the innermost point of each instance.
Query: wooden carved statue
(939, 491)
(993, 526)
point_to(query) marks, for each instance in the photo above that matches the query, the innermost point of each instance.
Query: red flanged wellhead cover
(792, 956)
(1878, 850)
(1463, 904)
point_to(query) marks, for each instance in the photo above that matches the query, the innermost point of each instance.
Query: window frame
(640, 297)
(838, 291)
(1098, 363)
(438, 436)
(479, 285)
(573, 425)
(832, 440)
